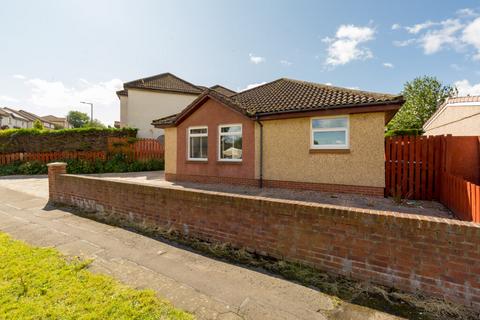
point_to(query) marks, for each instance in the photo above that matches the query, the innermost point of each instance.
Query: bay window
(330, 133)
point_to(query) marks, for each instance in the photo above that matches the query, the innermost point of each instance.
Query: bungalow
(286, 133)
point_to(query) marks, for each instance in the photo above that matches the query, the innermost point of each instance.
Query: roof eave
(350, 108)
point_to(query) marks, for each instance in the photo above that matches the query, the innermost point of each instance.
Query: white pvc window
(230, 142)
(198, 143)
(330, 133)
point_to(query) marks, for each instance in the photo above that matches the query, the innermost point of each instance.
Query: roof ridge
(262, 85)
(331, 87)
(160, 75)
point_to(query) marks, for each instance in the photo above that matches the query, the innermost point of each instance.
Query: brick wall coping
(422, 221)
(56, 164)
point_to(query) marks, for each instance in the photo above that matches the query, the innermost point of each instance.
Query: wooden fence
(45, 157)
(461, 196)
(413, 166)
(443, 168)
(137, 149)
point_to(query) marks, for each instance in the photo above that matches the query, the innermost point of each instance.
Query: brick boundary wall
(434, 256)
(323, 187)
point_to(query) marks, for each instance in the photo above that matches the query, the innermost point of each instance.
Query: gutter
(261, 152)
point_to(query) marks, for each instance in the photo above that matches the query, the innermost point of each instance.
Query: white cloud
(55, 97)
(252, 85)
(404, 43)
(420, 26)
(388, 65)
(456, 67)
(396, 26)
(285, 63)
(19, 76)
(256, 59)
(465, 88)
(345, 46)
(466, 12)
(434, 40)
(460, 33)
(8, 99)
(328, 83)
(471, 35)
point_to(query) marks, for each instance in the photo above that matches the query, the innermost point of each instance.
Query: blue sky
(56, 53)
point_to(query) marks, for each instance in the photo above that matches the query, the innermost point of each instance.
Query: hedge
(119, 163)
(81, 139)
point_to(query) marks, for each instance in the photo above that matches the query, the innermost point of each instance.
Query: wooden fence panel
(461, 196)
(413, 164)
(140, 149)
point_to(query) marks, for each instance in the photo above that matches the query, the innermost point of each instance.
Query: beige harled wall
(123, 111)
(170, 150)
(456, 120)
(287, 157)
(144, 106)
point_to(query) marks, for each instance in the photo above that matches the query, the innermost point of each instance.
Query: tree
(95, 124)
(422, 97)
(78, 119)
(37, 124)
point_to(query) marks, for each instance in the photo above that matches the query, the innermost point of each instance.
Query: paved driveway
(209, 288)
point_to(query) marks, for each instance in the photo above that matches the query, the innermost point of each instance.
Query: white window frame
(330, 146)
(189, 135)
(220, 134)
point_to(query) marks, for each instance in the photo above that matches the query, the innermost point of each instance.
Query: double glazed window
(230, 143)
(330, 133)
(198, 143)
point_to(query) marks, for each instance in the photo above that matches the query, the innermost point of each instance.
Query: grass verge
(389, 300)
(39, 283)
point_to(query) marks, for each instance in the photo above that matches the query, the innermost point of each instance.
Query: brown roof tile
(122, 92)
(164, 82)
(287, 95)
(223, 90)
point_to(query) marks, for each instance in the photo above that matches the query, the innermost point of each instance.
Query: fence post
(55, 169)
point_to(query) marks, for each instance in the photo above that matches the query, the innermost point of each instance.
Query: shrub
(404, 132)
(118, 163)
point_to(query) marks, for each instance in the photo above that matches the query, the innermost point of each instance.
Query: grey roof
(163, 82)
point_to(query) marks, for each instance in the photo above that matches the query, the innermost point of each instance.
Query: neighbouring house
(12, 120)
(459, 116)
(31, 118)
(58, 122)
(155, 97)
(286, 133)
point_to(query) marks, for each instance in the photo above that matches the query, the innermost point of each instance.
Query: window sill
(329, 150)
(228, 162)
(197, 161)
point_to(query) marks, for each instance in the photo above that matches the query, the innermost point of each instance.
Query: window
(330, 133)
(230, 143)
(198, 143)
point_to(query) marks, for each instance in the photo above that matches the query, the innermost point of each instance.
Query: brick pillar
(54, 170)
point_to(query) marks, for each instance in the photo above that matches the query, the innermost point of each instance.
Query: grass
(389, 300)
(40, 283)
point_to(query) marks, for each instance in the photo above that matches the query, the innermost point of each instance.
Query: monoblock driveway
(208, 288)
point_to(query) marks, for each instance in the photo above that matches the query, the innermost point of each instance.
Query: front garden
(40, 283)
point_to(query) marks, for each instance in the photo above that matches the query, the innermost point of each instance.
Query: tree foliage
(37, 124)
(78, 119)
(422, 97)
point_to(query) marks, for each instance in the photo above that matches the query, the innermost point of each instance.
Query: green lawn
(39, 283)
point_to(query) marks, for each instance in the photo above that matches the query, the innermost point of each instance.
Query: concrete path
(206, 287)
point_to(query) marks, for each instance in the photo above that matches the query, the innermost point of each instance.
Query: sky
(54, 54)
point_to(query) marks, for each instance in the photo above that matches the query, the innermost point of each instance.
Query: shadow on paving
(391, 301)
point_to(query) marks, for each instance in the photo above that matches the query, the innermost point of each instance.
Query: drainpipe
(261, 152)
